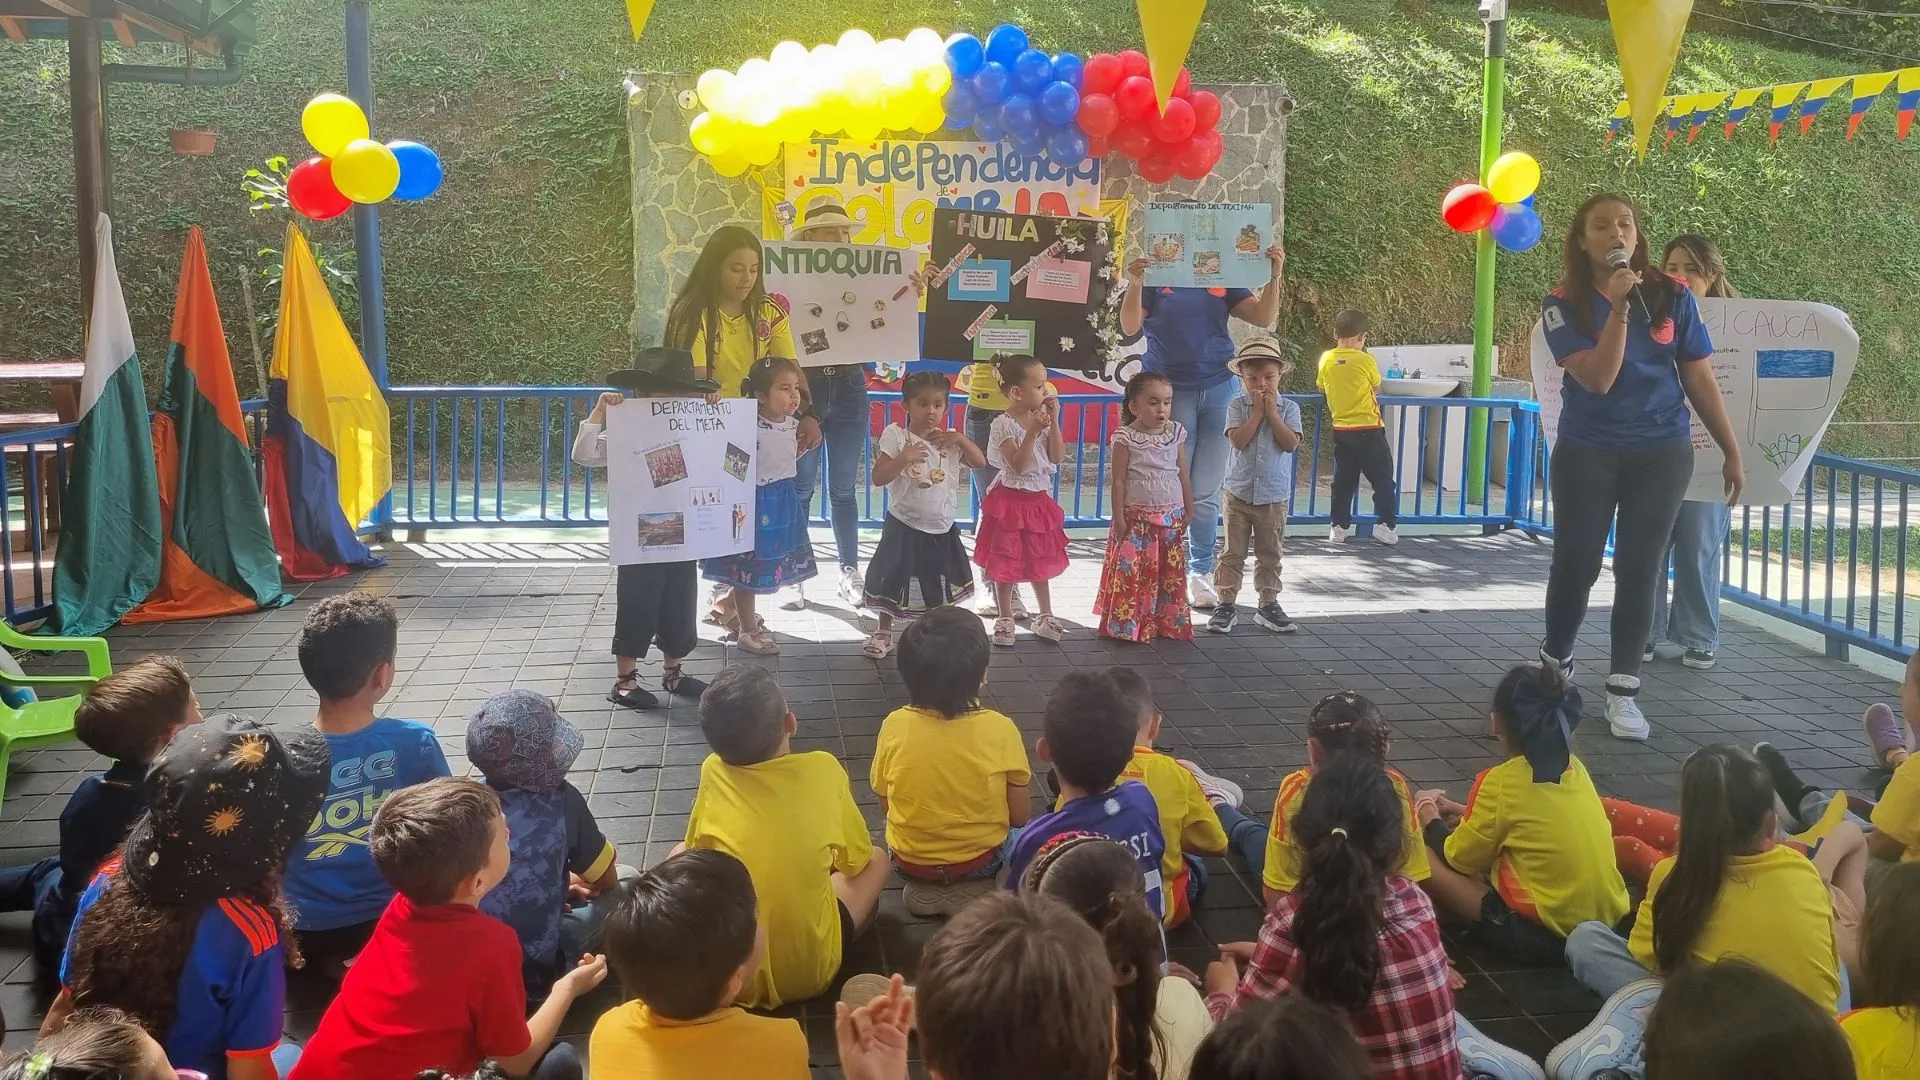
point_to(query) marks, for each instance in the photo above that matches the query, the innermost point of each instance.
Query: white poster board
(680, 479)
(1782, 366)
(1208, 245)
(846, 303)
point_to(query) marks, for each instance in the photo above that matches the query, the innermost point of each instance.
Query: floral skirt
(782, 553)
(1022, 536)
(913, 572)
(1143, 587)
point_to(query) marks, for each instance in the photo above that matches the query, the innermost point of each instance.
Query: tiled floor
(1425, 629)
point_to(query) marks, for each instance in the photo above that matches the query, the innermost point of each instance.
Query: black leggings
(1646, 487)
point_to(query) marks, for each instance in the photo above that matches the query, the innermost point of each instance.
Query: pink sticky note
(1065, 280)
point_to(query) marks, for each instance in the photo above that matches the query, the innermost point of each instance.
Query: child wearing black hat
(655, 603)
(226, 800)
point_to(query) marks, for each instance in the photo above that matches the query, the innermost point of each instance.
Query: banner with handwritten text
(846, 303)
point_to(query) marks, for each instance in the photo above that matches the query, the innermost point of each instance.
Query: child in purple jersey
(1087, 736)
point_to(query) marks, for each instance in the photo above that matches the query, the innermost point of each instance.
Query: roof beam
(13, 28)
(124, 32)
(204, 46)
(72, 9)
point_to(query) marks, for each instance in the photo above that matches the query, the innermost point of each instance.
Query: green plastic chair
(43, 723)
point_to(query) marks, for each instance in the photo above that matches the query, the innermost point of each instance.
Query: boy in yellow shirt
(792, 820)
(685, 941)
(952, 777)
(1350, 378)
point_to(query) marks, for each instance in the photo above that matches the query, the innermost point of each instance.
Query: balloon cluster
(1006, 88)
(858, 86)
(352, 167)
(1504, 205)
(1119, 111)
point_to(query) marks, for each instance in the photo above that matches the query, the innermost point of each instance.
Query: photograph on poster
(662, 530)
(1208, 245)
(705, 496)
(666, 465)
(737, 462)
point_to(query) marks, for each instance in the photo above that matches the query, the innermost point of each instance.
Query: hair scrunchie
(1543, 725)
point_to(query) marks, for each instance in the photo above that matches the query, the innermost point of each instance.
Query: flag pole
(370, 276)
(1493, 90)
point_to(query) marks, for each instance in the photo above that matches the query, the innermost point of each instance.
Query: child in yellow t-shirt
(685, 941)
(952, 777)
(1350, 379)
(1885, 1034)
(1342, 723)
(792, 820)
(1530, 855)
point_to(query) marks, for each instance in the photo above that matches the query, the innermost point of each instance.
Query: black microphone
(1620, 260)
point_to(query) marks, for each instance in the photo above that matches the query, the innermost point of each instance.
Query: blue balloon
(992, 83)
(965, 54)
(1005, 43)
(960, 105)
(1068, 69)
(987, 125)
(1059, 103)
(1019, 114)
(1528, 201)
(1028, 142)
(420, 172)
(1516, 227)
(1067, 145)
(1032, 70)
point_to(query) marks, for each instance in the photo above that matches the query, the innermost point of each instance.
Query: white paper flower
(1066, 344)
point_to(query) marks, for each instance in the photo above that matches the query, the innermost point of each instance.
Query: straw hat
(823, 215)
(1262, 348)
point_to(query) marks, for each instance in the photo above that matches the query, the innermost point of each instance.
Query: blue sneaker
(1614, 1040)
(1481, 1056)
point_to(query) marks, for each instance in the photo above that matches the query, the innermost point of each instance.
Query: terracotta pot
(192, 142)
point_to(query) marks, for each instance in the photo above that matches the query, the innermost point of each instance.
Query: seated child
(1885, 1031)
(96, 1044)
(1530, 855)
(952, 776)
(792, 820)
(128, 716)
(438, 985)
(684, 939)
(1342, 723)
(524, 747)
(347, 648)
(1198, 811)
(185, 932)
(1286, 1038)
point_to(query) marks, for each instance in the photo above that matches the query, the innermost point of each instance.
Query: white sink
(1418, 387)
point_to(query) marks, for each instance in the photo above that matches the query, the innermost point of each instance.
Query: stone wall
(678, 199)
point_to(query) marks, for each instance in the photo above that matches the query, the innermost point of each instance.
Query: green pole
(1494, 13)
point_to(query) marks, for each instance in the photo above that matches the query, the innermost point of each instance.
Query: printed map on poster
(680, 479)
(1208, 245)
(1018, 283)
(1782, 365)
(846, 303)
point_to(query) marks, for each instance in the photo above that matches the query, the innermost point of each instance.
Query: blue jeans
(1699, 535)
(1601, 960)
(285, 1057)
(32, 888)
(1246, 838)
(842, 401)
(1204, 414)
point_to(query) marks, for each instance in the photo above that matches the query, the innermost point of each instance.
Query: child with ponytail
(1143, 585)
(97, 1044)
(1357, 936)
(1885, 1033)
(1022, 535)
(1530, 855)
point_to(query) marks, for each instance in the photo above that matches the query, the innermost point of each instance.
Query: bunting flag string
(1808, 98)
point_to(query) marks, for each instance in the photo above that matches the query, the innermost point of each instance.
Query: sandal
(879, 645)
(1048, 628)
(627, 694)
(1003, 631)
(682, 685)
(758, 641)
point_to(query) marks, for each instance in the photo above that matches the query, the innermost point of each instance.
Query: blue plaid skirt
(782, 552)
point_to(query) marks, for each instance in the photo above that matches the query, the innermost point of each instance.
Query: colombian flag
(328, 432)
(1817, 96)
(1909, 97)
(1866, 90)
(1678, 110)
(1618, 122)
(1703, 107)
(1742, 105)
(1781, 99)
(218, 558)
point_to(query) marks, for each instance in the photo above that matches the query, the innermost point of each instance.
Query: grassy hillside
(520, 269)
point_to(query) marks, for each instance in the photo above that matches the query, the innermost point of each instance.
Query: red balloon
(1134, 62)
(311, 191)
(1098, 115)
(1176, 124)
(1190, 159)
(1156, 167)
(1183, 84)
(1206, 110)
(1098, 146)
(1468, 208)
(1215, 145)
(1135, 98)
(1132, 139)
(1100, 74)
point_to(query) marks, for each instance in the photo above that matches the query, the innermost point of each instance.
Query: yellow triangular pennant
(637, 12)
(1647, 33)
(1744, 99)
(1909, 79)
(1168, 27)
(1785, 93)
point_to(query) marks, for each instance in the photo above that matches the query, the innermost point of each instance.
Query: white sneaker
(1200, 592)
(1624, 717)
(989, 606)
(795, 600)
(1385, 535)
(853, 587)
(1020, 612)
(1217, 789)
(1339, 533)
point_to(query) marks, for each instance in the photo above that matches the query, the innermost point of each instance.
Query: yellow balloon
(1514, 176)
(930, 119)
(731, 163)
(797, 125)
(712, 134)
(366, 171)
(863, 125)
(762, 151)
(331, 121)
(715, 88)
(933, 79)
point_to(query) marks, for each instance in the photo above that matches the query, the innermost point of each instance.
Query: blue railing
(1838, 560)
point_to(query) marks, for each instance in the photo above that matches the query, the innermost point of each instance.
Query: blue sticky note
(984, 280)
(1794, 363)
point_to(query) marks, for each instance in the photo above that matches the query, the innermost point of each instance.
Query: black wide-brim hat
(662, 369)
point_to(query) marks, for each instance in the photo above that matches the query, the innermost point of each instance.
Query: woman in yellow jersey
(1885, 1031)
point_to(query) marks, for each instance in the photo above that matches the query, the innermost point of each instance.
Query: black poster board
(1021, 283)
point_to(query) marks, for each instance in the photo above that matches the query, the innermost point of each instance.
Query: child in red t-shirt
(438, 986)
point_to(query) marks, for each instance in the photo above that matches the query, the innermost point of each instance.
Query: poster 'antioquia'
(846, 303)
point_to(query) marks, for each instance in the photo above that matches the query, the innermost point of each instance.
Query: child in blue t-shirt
(226, 800)
(524, 747)
(1087, 736)
(347, 648)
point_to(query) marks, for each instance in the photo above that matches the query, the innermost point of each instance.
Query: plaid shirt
(1407, 1026)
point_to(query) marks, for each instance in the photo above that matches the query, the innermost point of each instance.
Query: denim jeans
(1699, 536)
(1204, 414)
(842, 402)
(1602, 962)
(980, 432)
(30, 888)
(1246, 838)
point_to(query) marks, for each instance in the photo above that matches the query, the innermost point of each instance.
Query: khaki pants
(1260, 527)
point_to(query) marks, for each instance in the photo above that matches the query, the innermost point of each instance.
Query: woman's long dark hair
(1101, 881)
(1349, 722)
(1576, 284)
(1889, 946)
(1725, 797)
(694, 308)
(1351, 830)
